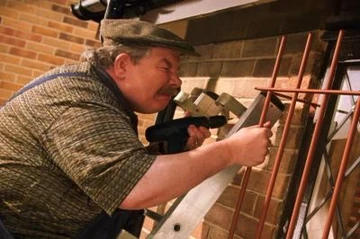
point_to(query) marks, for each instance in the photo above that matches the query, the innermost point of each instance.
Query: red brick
(273, 212)
(229, 196)
(9, 58)
(287, 161)
(219, 215)
(60, 26)
(93, 26)
(55, 42)
(246, 228)
(35, 65)
(294, 141)
(47, 14)
(77, 48)
(298, 116)
(7, 76)
(259, 182)
(28, 8)
(40, 48)
(71, 38)
(217, 233)
(50, 59)
(60, 9)
(10, 86)
(12, 41)
(31, 19)
(67, 54)
(18, 70)
(92, 43)
(85, 33)
(6, 94)
(44, 31)
(28, 36)
(17, 24)
(8, 12)
(23, 53)
(20, 34)
(7, 31)
(75, 22)
(2, 101)
(23, 80)
(62, 2)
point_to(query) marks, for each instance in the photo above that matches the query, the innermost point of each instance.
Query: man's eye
(165, 68)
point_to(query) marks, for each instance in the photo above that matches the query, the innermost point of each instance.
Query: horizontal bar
(314, 91)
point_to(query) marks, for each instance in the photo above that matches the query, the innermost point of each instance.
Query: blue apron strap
(45, 79)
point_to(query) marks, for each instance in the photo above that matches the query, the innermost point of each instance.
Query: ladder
(188, 210)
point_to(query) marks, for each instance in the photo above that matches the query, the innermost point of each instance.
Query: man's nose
(175, 80)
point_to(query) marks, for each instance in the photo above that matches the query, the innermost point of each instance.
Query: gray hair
(105, 56)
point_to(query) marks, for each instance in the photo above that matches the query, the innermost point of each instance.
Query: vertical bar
(314, 140)
(283, 139)
(341, 173)
(247, 173)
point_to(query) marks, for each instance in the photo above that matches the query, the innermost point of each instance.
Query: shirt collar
(110, 83)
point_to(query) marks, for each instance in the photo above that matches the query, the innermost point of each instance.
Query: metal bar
(315, 91)
(283, 139)
(353, 230)
(313, 144)
(342, 170)
(247, 173)
(349, 84)
(340, 124)
(332, 183)
(352, 167)
(298, 99)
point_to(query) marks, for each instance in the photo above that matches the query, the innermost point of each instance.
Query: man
(71, 163)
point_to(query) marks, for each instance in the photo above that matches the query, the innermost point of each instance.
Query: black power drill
(175, 131)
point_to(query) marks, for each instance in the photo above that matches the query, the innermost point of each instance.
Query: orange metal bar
(313, 144)
(283, 140)
(315, 91)
(341, 173)
(247, 173)
(298, 99)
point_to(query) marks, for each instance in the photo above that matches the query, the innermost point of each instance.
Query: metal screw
(177, 227)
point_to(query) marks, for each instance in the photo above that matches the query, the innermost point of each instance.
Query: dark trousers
(106, 227)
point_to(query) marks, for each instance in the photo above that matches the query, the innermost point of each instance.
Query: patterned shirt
(68, 150)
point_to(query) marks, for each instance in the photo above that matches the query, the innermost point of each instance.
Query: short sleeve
(96, 147)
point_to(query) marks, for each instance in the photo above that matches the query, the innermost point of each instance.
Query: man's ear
(121, 63)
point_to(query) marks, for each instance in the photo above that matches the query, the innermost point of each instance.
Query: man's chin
(154, 109)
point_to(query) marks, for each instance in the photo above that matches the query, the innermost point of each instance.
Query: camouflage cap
(136, 32)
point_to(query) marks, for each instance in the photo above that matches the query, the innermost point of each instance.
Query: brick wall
(238, 50)
(238, 54)
(237, 67)
(35, 36)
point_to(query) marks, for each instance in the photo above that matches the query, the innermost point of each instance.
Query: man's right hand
(250, 145)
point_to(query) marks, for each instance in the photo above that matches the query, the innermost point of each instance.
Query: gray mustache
(169, 91)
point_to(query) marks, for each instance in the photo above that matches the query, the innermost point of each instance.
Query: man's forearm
(173, 175)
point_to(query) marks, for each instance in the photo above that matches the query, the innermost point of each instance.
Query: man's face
(149, 84)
